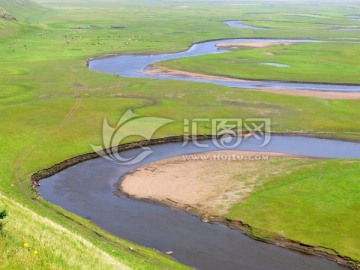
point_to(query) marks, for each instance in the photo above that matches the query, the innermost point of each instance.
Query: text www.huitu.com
(225, 157)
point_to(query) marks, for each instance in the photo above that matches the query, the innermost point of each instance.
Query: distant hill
(19, 9)
(6, 16)
(14, 14)
(8, 27)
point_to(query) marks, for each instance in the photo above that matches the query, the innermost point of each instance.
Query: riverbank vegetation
(52, 107)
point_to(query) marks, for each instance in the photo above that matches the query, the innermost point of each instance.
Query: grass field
(52, 106)
(328, 191)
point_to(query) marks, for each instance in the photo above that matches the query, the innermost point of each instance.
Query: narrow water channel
(134, 66)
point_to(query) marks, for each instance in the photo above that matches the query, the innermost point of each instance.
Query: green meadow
(316, 203)
(52, 108)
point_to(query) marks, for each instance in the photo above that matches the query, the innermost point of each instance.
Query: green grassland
(328, 191)
(52, 108)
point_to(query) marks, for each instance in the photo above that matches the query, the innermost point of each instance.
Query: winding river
(239, 24)
(135, 65)
(88, 188)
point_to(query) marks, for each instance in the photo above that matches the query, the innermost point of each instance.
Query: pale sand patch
(207, 186)
(156, 70)
(269, 53)
(252, 44)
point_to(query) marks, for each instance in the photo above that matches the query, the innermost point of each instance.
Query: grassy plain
(316, 205)
(52, 107)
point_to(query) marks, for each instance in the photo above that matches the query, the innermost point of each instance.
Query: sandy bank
(156, 70)
(252, 44)
(207, 182)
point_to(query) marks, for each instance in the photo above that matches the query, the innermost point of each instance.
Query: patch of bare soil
(208, 182)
